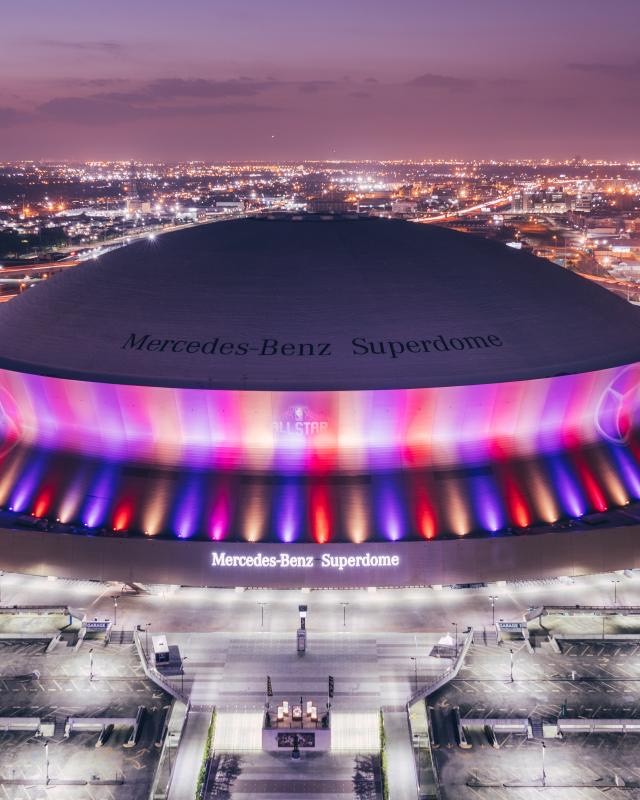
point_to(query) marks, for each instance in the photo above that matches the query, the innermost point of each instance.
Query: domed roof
(310, 304)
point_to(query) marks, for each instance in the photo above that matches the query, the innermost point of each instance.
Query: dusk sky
(338, 79)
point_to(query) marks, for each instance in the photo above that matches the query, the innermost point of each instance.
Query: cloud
(359, 94)
(12, 116)
(100, 82)
(631, 70)
(449, 83)
(110, 47)
(508, 83)
(159, 99)
(117, 101)
(166, 89)
(311, 87)
(92, 111)
(168, 97)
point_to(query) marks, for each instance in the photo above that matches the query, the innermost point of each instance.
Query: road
(385, 610)
(463, 212)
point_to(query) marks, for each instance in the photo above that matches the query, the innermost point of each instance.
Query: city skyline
(244, 81)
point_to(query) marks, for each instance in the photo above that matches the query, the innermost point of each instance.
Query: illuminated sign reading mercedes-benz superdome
(286, 560)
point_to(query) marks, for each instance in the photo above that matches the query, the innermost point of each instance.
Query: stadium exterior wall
(442, 562)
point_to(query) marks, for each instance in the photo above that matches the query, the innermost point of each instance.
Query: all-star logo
(614, 413)
(300, 421)
(9, 423)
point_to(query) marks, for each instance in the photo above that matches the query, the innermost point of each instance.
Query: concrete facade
(438, 562)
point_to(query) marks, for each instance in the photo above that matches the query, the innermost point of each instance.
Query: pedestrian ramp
(355, 733)
(238, 731)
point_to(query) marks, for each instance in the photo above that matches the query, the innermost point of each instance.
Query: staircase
(121, 637)
(70, 638)
(486, 636)
(536, 727)
(58, 731)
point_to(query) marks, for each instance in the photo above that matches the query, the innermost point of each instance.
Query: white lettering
(288, 561)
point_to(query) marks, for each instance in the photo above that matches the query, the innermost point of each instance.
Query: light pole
(91, 664)
(262, 605)
(493, 598)
(615, 583)
(544, 774)
(415, 669)
(146, 639)
(455, 625)
(511, 664)
(182, 675)
(46, 763)
(344, 605)
(115, 610)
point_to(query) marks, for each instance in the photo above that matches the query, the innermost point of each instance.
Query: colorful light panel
(319, 466)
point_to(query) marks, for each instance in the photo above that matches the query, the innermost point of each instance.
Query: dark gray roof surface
(286, 304)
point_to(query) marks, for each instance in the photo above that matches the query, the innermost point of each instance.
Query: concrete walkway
(401, 770)
(190, 753)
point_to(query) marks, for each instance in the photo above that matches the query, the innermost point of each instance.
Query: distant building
(583, 202)
(333, 203)
(404, 206)
(229, 205)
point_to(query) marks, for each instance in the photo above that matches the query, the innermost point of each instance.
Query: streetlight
(511, 664)
(146, 639)
(262, 605)
(615, 582)
(344, 605)
(46, 763)
(182, 674)
(415, 667)
(493, 598)
(455, 625)
(544, 774)
(91, 664)
(115, 610)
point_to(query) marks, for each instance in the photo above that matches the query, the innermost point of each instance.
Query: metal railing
(153, 674)
(421, 741)
(446, 676)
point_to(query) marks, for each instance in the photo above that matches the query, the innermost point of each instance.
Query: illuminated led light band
(405, 441)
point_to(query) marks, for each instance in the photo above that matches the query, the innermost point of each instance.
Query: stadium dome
(316, 305)
(379, 387)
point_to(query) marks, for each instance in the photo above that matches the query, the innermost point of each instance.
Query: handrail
(422, 694)
(416, 769)
(446, 676)
(154, 675)
(580, 609)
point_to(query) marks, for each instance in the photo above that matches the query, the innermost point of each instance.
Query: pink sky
(249, 79)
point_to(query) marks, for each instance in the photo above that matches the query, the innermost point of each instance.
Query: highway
(463, 212)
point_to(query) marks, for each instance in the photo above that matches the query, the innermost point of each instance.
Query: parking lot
(56, 686)
(587, 680)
